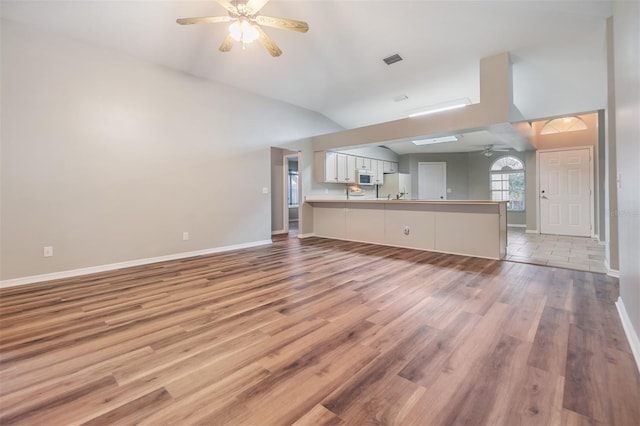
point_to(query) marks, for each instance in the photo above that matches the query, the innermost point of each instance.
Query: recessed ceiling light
(442, 139)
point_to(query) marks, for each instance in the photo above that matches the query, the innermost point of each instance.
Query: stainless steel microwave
(365, 177)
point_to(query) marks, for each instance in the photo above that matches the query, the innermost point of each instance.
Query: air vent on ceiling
(392, 59)
(400, 98)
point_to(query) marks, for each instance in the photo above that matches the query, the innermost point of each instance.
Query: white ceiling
(336, 69)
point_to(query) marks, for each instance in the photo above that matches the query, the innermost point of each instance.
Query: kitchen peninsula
(472, 228)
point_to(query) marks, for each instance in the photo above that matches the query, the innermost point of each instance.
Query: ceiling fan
(246, 24)
(490, 149)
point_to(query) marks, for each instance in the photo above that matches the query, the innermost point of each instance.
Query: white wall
(626, 38)
(109, 159)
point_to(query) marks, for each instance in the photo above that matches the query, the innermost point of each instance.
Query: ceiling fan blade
(228, 5)
(266, 41)
(204, 20)
(282, 23)
(253, 6)
(227, 44)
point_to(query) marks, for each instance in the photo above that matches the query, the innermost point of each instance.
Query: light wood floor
(318, 331)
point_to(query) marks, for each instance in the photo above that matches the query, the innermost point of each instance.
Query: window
(566, 124)
(507, 182)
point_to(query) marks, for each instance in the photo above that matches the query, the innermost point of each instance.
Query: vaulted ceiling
(557, 49)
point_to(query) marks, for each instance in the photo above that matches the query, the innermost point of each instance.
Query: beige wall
(626, 37)
(110, 159)
(457, 176)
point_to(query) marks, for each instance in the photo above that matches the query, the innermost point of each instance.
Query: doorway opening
(292, 194)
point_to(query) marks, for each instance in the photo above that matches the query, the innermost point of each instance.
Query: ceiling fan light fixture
(242, 30)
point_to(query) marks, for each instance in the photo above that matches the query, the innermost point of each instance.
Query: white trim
(306, 235)
(611, 272)
(516, 225)
(632, 337)
(531, 231)
(127, 264)
(279, 232)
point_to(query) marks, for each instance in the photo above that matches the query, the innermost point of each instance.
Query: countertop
(394, 201)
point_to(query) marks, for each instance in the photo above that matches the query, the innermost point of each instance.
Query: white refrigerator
(396, 185)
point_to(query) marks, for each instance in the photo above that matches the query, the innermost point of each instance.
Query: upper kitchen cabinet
(378, 171)
(333, 167)
(363, 163)
(346, 168)
(326, 166)
(390, 167)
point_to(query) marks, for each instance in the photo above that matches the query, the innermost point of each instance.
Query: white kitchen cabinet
(351, 168)
(363, 163)
(378, 171)
(326, 166)
(346, 168)
(337, 167)
(390, 167)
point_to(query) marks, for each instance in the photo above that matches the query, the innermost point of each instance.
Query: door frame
(444, 176)
(591, 185)
(285, 190)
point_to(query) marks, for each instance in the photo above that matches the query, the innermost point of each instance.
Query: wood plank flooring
(318, 332)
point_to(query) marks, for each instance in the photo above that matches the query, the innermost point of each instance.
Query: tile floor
(585, 254)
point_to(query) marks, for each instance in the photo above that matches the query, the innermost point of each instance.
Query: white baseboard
(515, 225)
(110, 267)
(611, 272)
(632, 336)
(306, 235)
(531, 231)
(279, 232)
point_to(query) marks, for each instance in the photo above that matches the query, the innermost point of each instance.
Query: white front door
(432, 181)
(565, 192)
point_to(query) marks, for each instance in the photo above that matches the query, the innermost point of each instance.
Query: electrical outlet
(185, 236)
(48, 251)
(406, 230)
(265, 190)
